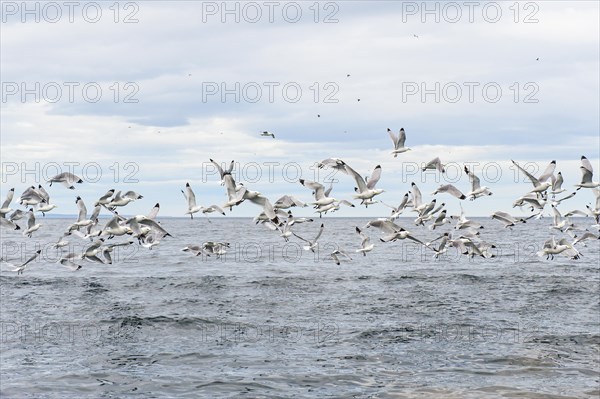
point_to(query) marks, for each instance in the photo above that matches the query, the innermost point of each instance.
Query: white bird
(31, 225)
(559, 224)
(67, 179)
(366, 190)
(508, 220)
(106, 198)
(450, 189)
(67, 261)
(223, 172)
(196, 250)
(312, 244)
(365, 244)
(439, 221)
(334, 256)
(557, 182)
(267, 134)
(476, 189)
(119, 200)
(47, 206)
(587, 173)
(397, 211)
(31, 196)
(19, 269)
(434, 164)
(551, 248)
(319, 192)
(584, 237)
(6, 204)
(82, 220)
(538, 186)
(398, 141)
(193, 208)
(288, 201)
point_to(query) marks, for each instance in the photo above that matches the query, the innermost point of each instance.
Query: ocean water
(270, 320)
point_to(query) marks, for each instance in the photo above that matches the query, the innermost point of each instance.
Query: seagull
(365, 244)
(196, 250)
(106, 198)
(434, 164)
(586, 175)
(67, 261)
(366, 189)
(508, 220)
(335, 258)
(440, 220)
(215, 248)
(557, 184)
(67, 179)
(6, 204)
(81, 218)
(539, 186)
(559, 224)
(319, 193)
(223, 172)
(107, 250)
(397, 211)
(288, 201)
(92, 251)
(551, 248)
(191, 200)
(47, 207)
(31, 225)
(334, 163)
(120, 200)
(31, 196)
(19, 269)
(267, 134)
(311, 244)
(235, 196)
(450, 189)
(394, 231)
(476, 189)
(398, 141)
(442, 248)
(584, 237)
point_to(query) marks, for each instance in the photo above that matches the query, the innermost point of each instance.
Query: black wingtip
(187, 184)
(157, 205)
(462, 197)
(80, 181)
(583, 157)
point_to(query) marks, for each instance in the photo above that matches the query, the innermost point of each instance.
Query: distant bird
(415, 36)
(537, 59)
(66, 179)
(398, 141)
(223, 172)
(508, 220)
(267, 134)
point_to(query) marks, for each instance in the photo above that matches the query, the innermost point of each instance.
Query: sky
(140, 95)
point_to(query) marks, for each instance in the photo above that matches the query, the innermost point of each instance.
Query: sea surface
(270, 320)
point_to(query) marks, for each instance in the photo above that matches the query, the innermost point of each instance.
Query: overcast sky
(141, 95)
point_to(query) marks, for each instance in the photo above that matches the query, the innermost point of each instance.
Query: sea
(269, 319)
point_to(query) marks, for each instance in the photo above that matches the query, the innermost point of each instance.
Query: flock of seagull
(278, 217)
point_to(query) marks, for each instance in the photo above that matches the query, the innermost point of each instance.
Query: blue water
(269, 319)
